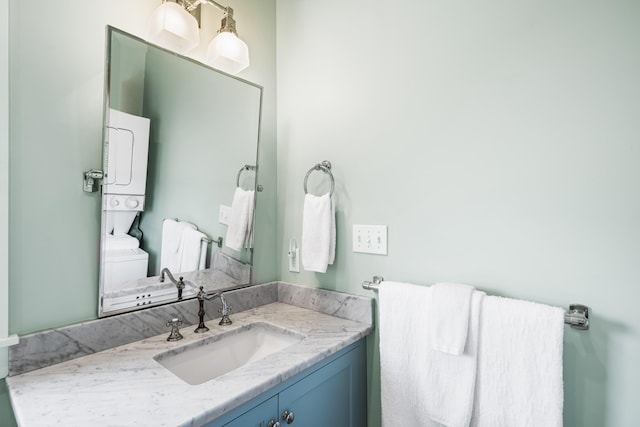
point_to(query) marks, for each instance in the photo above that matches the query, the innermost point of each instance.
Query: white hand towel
(449, 317)
(404, 353)
(519, 379)
(451, 379)
(241, 220)
(172, 231)
(318, 233)
(191, 250)
(248, 241)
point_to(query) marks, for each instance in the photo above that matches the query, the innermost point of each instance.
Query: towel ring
(325, 167)
(242, 169)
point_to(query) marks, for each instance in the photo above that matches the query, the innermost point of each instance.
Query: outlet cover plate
(370, 239)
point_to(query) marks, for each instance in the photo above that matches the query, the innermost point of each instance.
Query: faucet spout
(179, 283)
(224, 310)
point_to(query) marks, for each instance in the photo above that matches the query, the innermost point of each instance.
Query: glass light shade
(172, 27)
(228, 53)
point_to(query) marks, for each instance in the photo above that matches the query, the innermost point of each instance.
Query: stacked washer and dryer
(124, 189)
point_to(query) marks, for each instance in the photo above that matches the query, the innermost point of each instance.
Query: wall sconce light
(173, 26)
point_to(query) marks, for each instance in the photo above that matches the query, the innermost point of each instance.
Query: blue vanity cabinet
(332, 396)
(259, 416)
(332, 393)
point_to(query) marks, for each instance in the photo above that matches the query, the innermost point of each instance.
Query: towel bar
(218, 241)
(577, 316)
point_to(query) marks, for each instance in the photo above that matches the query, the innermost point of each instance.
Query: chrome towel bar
(577, 316)
(218, 242)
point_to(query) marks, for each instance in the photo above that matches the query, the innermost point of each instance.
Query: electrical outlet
(370, 239)
(224, 214)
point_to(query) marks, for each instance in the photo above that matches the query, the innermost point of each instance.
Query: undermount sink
(204, 360)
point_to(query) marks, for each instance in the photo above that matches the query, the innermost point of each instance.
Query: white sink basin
(204, 360)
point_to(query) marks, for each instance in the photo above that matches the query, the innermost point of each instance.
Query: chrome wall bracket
(91, 181)
(577, 316)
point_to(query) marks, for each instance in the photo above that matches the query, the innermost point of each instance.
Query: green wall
(499, 143)
(56, 103)
(497, 140)
(56, 99)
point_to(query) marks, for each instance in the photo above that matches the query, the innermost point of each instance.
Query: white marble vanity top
(125, 386)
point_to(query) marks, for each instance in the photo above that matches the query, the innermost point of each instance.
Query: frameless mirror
(180, 161)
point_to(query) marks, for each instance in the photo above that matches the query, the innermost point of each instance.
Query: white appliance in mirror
(124, 187)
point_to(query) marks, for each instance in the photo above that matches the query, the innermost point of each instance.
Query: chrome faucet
(224, 310)
(179, 283)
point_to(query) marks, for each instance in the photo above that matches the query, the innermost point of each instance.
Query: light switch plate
(224, 214)
(370, 239)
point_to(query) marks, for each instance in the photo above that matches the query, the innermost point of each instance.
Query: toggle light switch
(370, 239)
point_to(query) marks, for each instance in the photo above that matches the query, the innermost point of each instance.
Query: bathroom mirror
(180, 162)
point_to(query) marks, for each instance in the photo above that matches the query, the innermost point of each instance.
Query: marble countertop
(126, 386)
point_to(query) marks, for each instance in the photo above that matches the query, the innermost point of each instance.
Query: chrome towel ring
(325, 167)
(242, 169)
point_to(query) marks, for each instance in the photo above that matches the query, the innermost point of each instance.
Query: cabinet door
(258, 416)
(332, 396)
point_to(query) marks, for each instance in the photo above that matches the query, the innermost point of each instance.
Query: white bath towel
(404, 353)
(519, 379)
(240, 229)
(451, 379)
(318, 244)
(172, 232)
(191, 250)
(449, 317)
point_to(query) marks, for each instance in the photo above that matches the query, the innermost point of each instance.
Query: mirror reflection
(180, 161)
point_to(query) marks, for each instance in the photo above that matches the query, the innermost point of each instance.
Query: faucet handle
(175, 334)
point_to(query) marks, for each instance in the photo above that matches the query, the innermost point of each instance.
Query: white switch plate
(224, 214)
(370, 239)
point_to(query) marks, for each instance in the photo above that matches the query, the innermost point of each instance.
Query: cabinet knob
(288, 416)
(273, 423)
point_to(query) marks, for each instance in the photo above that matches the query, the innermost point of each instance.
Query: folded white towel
(451, 379)
(519, 379)
(240, 229)
(172, 232)
(191, 250)
(449, 317)
(318, 233)
(404, 353)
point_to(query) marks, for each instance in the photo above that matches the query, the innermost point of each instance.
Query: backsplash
(42, 349)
